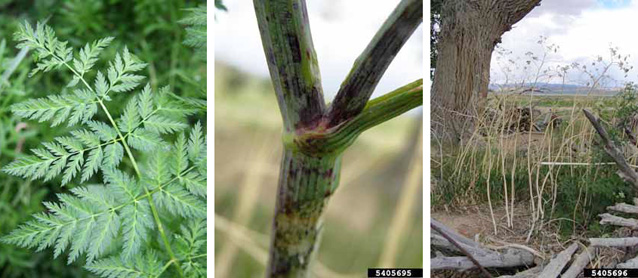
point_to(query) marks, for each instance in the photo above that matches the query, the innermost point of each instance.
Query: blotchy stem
(305, 185)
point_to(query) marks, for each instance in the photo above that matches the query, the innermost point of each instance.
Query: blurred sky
(583, 29)
(341, 29)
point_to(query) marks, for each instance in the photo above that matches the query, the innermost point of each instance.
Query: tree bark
(469, 32)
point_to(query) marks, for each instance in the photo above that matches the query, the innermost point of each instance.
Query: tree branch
(624, 170)
(370, 66)
(458, 246)
(377, 111)
(556, 265)
(294, 70)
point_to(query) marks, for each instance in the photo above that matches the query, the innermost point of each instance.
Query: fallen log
(512, 258)
(580, 263)
(441, 243)
(622, 207)
(556, 265)
(460, 247)
(633, 263)
(456, 236)
(529, 273)
(610, 219)
(614, 242)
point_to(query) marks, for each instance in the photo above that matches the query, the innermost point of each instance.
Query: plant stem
(314, 138)
(377, 111)
(305, 185)
(370, 66)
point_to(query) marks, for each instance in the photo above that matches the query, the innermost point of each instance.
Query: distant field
(558, 104)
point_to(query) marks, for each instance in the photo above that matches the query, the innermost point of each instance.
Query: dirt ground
(475, 222)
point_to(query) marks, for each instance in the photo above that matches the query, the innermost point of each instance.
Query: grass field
(552, 182)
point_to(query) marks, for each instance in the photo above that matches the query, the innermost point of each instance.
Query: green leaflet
(112, 221)
(91, 219)
(68, 155)
(145, 140)
(88, 56)
(52, 52)
(191, 246)
(113, 154)
(71, 109)
(196, 30)
(143, 266)
(195, 183)
(135, 227)
(178, 201)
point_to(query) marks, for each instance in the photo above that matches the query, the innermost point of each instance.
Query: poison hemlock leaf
(114, 225)
(196, 30)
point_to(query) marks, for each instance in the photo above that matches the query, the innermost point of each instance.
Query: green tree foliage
(148, 223)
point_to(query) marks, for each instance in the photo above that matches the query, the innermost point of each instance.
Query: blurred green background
(149, 28)
(383, 166)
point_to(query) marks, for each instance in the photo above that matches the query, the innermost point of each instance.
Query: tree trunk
(469, 32)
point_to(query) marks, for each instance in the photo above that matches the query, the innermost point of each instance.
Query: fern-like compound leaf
(105, 132)
(129, 119)
(75, 108)
(196, 30)
(190, 245)
(194, 182)
(121, 72)
(88, 56)
(145, 140)
(113, 155)
(163, 125)
(52, 52)
(196, 144)
(114, 226)
(137, 222)
(147, 266)
(178, 201)
(82, 153)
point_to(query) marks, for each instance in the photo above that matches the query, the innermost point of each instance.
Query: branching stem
(315, 136)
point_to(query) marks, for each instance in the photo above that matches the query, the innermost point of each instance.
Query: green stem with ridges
(377, 111)
(305, 185)
(356, 89)
(314, 137)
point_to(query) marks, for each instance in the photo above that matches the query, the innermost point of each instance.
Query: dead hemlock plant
(476, 256)
(316, 134)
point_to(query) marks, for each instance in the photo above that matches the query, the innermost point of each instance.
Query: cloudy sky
(583, 30)
(341, 29)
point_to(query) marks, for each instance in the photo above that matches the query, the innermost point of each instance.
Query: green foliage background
(155, 30)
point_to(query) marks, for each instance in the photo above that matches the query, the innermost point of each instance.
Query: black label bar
(395, 272)
(610, 272)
